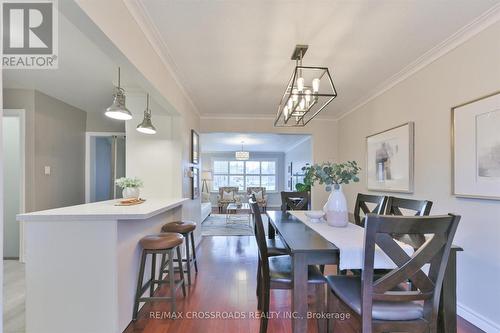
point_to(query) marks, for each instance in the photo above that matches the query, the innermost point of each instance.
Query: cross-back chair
(385, 303)
(418, 208)
(361, 206)
(295, 201)
(276, 273)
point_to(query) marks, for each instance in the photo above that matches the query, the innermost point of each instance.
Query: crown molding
(296, 144)
(143, 19)
(260, 116)
(465, 33)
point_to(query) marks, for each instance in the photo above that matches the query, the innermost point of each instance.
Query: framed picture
(195, 147)
(195, 183)
(476, 148)
(389, 159)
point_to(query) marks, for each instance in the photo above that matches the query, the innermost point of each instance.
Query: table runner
(350, 241)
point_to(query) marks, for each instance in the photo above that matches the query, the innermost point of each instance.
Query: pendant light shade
(118, 110)
(242, 155)
(146, 126)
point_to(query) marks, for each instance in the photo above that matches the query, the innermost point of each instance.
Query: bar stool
(185, 228)
(164, 244)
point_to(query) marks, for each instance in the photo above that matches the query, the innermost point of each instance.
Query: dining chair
(417, 207)
(295, 201)
(380, 202)
(385, 303)
(276, 273)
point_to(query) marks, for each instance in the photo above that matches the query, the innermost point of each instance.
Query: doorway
(105, 162)
(13, 151)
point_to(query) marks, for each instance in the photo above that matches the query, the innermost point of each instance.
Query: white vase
(336, 208)
(130, 192)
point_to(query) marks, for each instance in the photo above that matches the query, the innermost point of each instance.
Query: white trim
(88, 135)
(470, 30)
(477, 319)
(21, 113)
(145, 23)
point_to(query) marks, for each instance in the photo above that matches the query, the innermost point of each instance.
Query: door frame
(21, 114)
(89, 135)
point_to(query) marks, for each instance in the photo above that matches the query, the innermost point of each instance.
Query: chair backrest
(260, 235)
(360, 207)
(419, 208)
(434, 252)
(227, 189)
(295, 201)
(256, 189)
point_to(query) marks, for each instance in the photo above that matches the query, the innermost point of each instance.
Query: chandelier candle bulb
(300, 84)
(315, 84)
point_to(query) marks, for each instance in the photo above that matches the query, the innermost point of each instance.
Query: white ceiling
(257, 142)
(233, 57)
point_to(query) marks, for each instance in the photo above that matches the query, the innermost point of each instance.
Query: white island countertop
(104, 210)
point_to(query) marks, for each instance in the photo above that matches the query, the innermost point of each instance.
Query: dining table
(308, 247)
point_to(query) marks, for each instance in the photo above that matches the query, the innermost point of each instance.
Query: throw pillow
(258, 195)
(228, 195)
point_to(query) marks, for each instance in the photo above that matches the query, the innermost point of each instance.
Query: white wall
(299, 156)
(119, 25)
(323, 137)
(469, 71)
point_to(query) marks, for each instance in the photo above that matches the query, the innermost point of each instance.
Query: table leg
(447, 315)
(271, 232)
(299, 293)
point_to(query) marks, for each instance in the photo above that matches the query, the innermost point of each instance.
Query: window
(244, 174)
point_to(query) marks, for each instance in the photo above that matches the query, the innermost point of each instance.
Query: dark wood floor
(225, 284)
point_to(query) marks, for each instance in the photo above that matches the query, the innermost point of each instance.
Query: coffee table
(234, 208)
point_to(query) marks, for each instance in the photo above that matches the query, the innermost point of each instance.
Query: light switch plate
(47, 170)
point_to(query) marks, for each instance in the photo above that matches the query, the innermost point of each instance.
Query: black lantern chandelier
(309, 90)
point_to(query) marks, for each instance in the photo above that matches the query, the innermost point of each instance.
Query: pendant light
(308, 92)
(146, 126)
(118, 110)
(242, 155)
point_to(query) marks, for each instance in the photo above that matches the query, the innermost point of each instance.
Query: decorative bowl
(315, 215)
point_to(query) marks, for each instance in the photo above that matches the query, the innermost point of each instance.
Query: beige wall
(470, 71)
(323, 132)
(55, 137)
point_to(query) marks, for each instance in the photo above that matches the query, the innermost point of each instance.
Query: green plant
(329, 174)
(128, 182)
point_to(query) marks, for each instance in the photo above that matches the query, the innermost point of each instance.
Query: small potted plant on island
(332, 175)
(130, 187)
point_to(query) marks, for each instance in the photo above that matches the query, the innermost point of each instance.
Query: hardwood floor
(225, 285)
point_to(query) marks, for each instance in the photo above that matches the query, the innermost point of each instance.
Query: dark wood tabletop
(297, 236)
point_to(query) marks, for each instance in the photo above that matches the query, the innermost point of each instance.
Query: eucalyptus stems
(332, 175)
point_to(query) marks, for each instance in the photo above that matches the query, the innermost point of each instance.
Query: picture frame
(475, 148)
(390, 159)
(195, 183)
(195, 147)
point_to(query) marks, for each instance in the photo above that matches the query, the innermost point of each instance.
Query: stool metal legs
(190, 257)
(150, 284)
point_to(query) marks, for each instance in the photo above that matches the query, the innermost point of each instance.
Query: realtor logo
(29, 35)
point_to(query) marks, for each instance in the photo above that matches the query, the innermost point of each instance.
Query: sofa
(206, 210)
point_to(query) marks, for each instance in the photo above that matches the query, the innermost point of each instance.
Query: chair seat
(280, 270)
(182, 227)
(275, 247)
(161, 241)
(348, 289)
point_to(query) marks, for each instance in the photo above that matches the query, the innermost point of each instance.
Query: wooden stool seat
(185, 228)
(161, 241)
(182, 227)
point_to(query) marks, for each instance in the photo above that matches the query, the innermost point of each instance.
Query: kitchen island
(82, 263)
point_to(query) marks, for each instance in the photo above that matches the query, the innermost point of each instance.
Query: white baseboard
(477, 320)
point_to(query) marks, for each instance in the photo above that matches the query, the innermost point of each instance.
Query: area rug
(215, 225)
